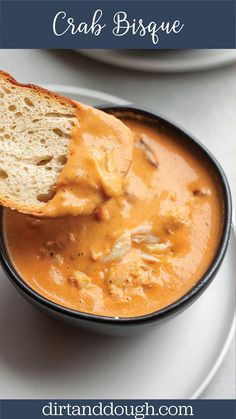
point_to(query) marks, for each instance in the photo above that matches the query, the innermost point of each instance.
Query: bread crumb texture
(35, 132)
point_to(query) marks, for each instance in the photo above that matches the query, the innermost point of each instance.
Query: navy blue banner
(117, 24)
(135, 409)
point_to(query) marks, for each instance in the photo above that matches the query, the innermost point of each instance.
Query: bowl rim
(187, 298)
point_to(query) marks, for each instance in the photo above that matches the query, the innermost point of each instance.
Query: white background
(203, 103)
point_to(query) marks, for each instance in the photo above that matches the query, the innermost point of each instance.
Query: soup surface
(99, 157)
(140, 251)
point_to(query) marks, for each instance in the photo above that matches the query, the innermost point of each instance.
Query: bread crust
(29, 209)
(38, 89)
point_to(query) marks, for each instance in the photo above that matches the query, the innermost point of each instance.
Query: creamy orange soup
(139, 251)
(98, 160)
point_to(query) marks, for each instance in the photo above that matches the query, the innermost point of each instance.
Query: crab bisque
(139, 251)
(99, 158)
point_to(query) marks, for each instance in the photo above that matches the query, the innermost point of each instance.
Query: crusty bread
(35, 132)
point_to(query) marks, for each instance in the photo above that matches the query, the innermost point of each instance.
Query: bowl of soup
(142, 256)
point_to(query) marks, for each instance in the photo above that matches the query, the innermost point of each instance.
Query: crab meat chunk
(175, 218)
(129, 279)
(91, 298)
(79, 280)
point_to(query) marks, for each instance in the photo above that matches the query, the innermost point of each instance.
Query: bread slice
(35, 130)
(42, 133)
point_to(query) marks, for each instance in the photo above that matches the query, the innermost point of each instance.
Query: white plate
(164, 61)
(43, 358)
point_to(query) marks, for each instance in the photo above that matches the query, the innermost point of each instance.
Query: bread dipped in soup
(139, 250)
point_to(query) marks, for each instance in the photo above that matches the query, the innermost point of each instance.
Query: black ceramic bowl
(123, 326)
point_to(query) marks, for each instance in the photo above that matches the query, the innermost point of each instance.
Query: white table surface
(203, 102)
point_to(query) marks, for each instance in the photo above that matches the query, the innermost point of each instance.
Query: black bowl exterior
(128, 325)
